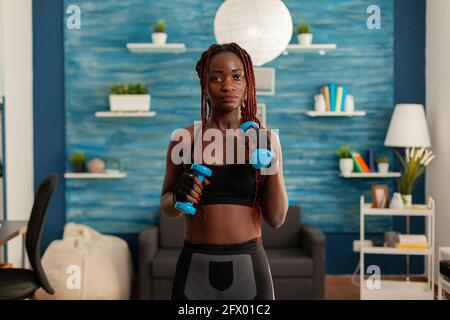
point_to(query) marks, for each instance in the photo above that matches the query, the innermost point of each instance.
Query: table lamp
(408, 129)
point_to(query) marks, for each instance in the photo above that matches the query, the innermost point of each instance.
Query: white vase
(159, 37)
(349, 105)
(396, 201)
(346, 166)
(305, 38)
(319, 103)
(407, 200)
(383, 167)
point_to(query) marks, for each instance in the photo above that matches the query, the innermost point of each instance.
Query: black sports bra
(230, 184)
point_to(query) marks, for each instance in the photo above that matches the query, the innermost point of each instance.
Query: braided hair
(248, 109)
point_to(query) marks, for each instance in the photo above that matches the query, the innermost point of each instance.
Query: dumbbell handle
(261, 157)
(201, 172)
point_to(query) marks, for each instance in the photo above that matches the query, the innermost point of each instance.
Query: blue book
(332, 96)
(344, 94)
(371, 160)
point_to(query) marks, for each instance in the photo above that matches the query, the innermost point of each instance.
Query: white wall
(438, 113)
(18, 92)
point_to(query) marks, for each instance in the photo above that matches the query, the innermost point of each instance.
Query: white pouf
(86, 264)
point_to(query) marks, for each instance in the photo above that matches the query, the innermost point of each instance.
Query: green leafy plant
(303, 28)
(382, 159)
(78, 158)
(413, 164)
(344, 152)
(160, 26)
(119, 89)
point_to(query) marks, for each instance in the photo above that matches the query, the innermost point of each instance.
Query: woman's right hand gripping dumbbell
(189, 188)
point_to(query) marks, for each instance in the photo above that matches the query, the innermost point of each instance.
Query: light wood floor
(341, 287)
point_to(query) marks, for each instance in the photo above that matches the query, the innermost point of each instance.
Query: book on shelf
(334, 97)
(332, 87)
(412, 238)
(326, 93)
(344, 95)
(339, 99)
(360, 164)
(412, 241)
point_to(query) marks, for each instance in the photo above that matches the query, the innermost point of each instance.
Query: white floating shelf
(415, 210)
(335, 114)
(398, 290)
(86, 175)
(389, 250)
(115, 114)
(320, 48)
(156, 48)
(371, 175)
(265, 93)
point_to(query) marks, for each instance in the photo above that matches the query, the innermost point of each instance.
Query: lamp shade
(262, 27)
(408, 127)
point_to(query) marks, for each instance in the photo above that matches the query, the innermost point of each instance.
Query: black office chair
(22, 283)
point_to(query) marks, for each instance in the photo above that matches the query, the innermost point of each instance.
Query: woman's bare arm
(274, 203)
(172, 172)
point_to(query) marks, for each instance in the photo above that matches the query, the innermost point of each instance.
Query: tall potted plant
(345, 159)
(129, 98)
(413, 164)
(159, 36)
(304, 34)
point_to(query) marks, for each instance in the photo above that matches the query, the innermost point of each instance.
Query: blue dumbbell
(261, 157)
(201, 172)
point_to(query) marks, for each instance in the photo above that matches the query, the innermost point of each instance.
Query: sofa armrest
(148, 245)
(313, 243)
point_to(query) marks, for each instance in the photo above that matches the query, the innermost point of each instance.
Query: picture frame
(380, 196)
(261, 113)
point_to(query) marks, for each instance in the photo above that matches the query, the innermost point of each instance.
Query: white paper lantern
(262, 27)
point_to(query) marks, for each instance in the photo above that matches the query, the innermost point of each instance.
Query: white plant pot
(383, 167)
(129, 102)
(159, 37)
(305, 38)
(407, 200)
(346, 166)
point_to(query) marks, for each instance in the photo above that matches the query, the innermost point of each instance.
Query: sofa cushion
(171, 231)
(292, 262)
(164, 263)
(287, 235)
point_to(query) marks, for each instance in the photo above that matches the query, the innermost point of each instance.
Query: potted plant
(345, 160)
(78, 161)
(159, 36)
(383, 164)
(413, 165)
(304, 34)
(129, 98)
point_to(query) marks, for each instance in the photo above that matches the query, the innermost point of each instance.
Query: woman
(223, 257)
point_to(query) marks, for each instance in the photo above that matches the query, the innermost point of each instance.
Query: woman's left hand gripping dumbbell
(188, 191)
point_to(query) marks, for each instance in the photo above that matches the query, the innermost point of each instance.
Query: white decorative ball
(262, 27)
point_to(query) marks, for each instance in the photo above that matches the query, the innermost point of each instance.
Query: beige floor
(341, 287)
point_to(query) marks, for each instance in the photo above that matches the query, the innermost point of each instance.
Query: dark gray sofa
(296, 254)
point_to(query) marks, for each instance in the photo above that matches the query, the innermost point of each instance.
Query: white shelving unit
(86, 175)
(335, 114)
(319, 48)
(156, 48)
(443, 284)
(115, 114)
(371, 175)
(399, 290)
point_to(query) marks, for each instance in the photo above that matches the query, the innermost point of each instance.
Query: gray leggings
(223, 272)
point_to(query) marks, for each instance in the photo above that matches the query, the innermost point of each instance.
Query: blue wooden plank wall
(96, 57)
